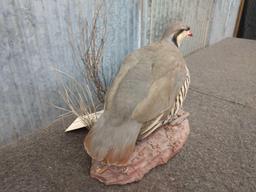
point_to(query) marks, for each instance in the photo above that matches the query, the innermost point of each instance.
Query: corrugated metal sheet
(210, 21)
(34, 38)
(197, 14)
(223, 20)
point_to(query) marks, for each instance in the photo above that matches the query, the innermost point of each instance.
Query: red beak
(190, 34)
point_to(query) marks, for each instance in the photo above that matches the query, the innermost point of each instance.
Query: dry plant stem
(79, 96)
(92, 54)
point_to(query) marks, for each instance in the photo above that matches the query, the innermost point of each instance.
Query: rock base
(155, 150)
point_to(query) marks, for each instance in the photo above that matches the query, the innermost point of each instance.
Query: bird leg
(176, 119)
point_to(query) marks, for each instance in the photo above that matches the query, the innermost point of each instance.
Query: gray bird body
(150, 85)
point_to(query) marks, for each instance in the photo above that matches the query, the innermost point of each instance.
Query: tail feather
(112, 142)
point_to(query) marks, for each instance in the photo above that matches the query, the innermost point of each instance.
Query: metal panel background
(34, 39)
(223, 20)
(197, 14)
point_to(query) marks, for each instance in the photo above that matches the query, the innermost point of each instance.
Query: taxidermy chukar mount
(147, 92)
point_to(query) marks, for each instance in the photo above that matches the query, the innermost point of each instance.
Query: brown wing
(147, 83)
(161, 95)
(131, 85)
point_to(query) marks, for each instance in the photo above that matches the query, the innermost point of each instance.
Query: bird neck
(173, 40)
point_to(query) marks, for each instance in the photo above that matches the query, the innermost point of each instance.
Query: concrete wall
(34, 39)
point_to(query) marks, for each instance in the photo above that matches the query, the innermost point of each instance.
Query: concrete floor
(220, 154)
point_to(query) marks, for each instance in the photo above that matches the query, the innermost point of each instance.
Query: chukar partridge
(149, 88)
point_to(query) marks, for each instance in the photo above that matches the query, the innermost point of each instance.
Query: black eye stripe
(180, 31)
(176, 34)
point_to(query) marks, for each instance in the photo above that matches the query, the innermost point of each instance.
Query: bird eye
(188, 28)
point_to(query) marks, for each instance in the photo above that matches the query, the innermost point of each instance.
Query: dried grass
(79, 94)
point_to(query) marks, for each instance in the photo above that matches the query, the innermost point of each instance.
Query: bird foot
(177, 119)
(181, 116)
(156, 149)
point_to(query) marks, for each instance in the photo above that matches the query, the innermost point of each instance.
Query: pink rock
(155, 150)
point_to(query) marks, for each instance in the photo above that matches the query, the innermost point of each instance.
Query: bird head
(176, 32)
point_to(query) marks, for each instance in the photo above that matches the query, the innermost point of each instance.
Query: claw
(102, 169)
(180, 118)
